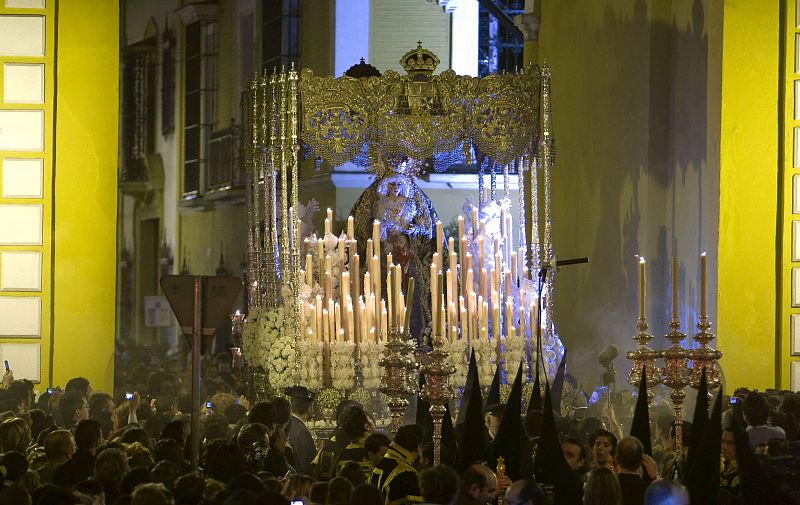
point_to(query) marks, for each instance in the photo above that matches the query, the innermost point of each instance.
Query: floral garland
(267, 343)
(311, 364)
(342, 369)
(514, 353)
(485, 358)
(371, 354)
(457, 357)
(260, 331)
(281, 357)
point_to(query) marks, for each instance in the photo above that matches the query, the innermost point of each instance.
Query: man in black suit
(88, 437)
(629, 470)
(299, 437)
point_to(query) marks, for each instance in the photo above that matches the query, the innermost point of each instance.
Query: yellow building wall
(788, 363)
(749, 193)
(27, 350)
(635, 100)
(85, 192)
(78, 199)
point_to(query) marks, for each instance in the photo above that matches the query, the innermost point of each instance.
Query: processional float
(354, 313)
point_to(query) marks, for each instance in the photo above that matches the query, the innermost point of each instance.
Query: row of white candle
(461, 307)
(358, 312)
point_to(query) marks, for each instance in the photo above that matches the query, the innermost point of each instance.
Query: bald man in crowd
(629, 458)
(59, 446)
(525, 492)
(478, 486)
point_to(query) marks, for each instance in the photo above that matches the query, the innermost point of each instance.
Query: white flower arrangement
(514, 352)
(256, 337)
(311, 364)
(281, 359)
(457, 357)
(485, 358)
(342, 369)
(371, 354)
(267, 342)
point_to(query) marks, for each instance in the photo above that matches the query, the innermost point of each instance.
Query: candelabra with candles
(398, 382)
(437, 390)
(704, 357)
(237, 326)
(644, 357)
(676, 373)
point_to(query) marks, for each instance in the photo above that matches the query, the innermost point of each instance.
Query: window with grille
(167, 82)
(280, 34)
(200, 42)
(499, 48)
(138, 109)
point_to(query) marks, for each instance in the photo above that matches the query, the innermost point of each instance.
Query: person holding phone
(8, 376)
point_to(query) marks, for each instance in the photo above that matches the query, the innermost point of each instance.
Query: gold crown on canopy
(419, 62)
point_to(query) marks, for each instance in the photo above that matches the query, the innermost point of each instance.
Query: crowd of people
(133, 446)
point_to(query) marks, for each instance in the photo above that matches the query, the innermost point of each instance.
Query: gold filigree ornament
(420, 114)
(335, 116)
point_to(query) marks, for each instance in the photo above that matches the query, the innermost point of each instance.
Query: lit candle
(514, 269)
(481, 252)
(318, 312)
(350, 325)
(376, 237)
(439, 240)
(390, 295)
(642, 288)
(344, 286)
(372, 316)
(340, 253)
(331, 321)
(384, 319)
(321, 261)
(337, 321)
(434, 297)
(398, 286)
(376, 282)
(326, 326)
(509, 316)
(449, 285)
(328, 285)
(309, 270)
(350, 228)
(483, 288)
(495, 319)
(329, 217)
(675, 287)
(462, 261)
(474, 222)
(410, 303)
(703, 285)
(442, 318)
(355, 279)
